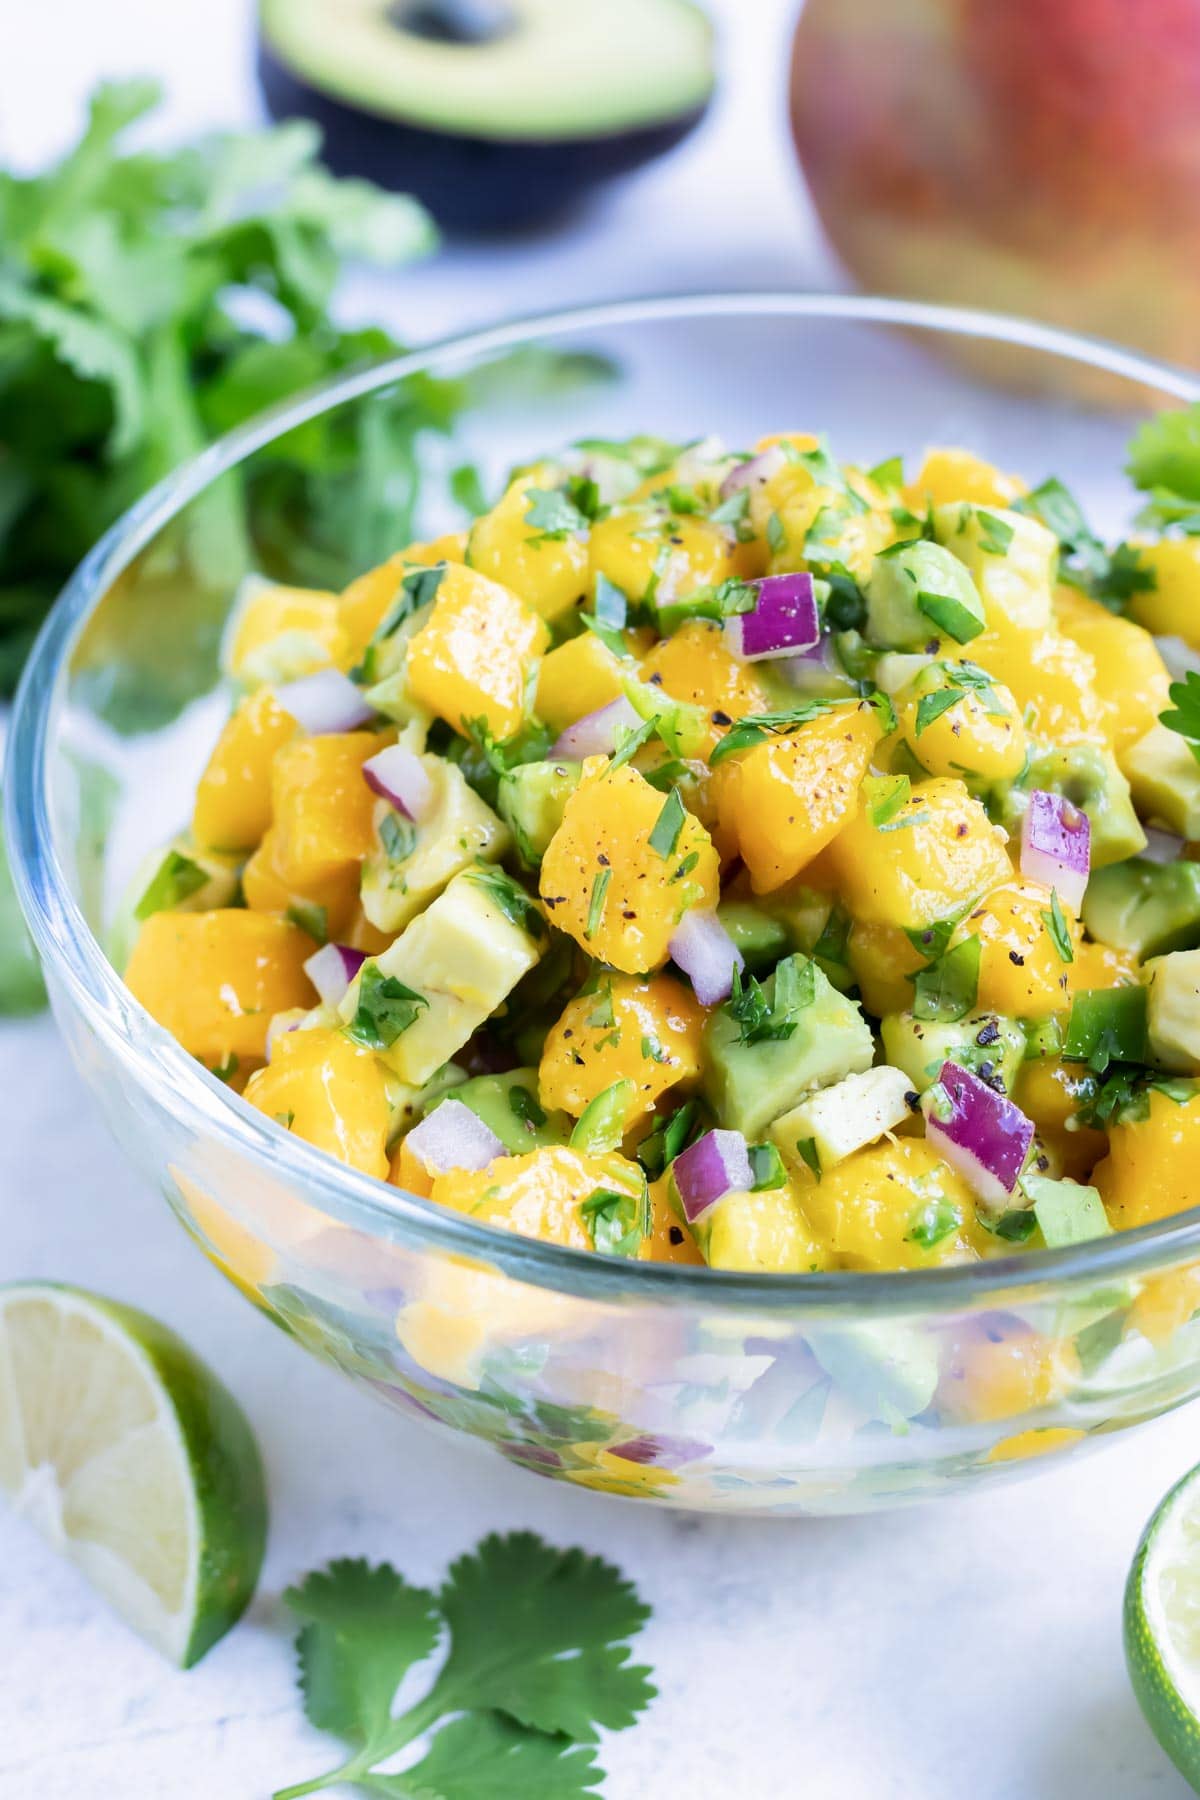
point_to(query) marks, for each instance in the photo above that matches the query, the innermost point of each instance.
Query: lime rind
(1162, 1625)
(133, 1461)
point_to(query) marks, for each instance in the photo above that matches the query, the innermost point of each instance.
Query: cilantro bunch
(150, 301)
(536, 1659)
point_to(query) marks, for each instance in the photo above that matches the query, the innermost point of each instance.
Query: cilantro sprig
(1183, 715)
(537, 1660)
(756, 728)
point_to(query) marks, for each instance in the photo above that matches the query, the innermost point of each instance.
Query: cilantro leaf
(176, 878)
(364, 1627)
(386, 1008)
(947, 988)
(538, 1633)
(1164, 453)
(1184, 713)
(1055, 922)
(484, 1756)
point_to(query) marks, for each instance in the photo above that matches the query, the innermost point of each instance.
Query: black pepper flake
(912, 1100)
(986, 1070)
(1043, 1163)
(960, 831)
(675, 1233)
(989, 1034)
(721, 718)
(1016, 959)
(656, 679)
(602, 859)
(628, 913)
(933, 646)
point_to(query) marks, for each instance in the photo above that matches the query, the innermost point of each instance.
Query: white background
(969, 1649)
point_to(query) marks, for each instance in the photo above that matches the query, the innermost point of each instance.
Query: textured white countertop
(967, 1649)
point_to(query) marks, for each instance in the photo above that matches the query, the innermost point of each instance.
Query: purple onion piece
(715, 1165)
(783, 620)
(331, 969)
(1161, 846)
(399, 776)
(596, 734)
(535, 1456)
(754, 472)
(325, 702)
(979, 1133)
(453, 1137)
(707, 954)
(660, 1452)
(1056, 842)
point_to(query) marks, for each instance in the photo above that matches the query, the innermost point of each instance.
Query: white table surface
(965, 1650)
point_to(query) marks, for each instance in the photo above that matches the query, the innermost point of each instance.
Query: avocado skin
(471, 185)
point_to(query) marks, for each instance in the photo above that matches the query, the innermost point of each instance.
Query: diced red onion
(596, 734)
(660, 1452)
(802, 668)
(331, 969)
(715, 1165)
(1161, 846)
(980, 1133)
(753, 473)
(453, 1137)
(1056, 842)
(707, 954)
(399, 776)
(324, 702)
(783, 620)
(535, 1456)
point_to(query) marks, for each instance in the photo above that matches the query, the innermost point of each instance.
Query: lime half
(1162, 1626)
(131, 1459)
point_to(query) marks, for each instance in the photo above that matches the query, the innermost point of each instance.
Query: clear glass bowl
(821, 1393)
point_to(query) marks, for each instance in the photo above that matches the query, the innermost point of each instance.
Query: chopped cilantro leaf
(525, 1106)
(936, 1220)
(175, 880)
(1184, 713)
(670, 822)
(668, 1140)
(1055, 922)
(995, 533)
(766, 1167)
(776, 535)
(601, 1125)
(947, 988)
(596, 903)
(806, 1149)
(398, 836)
(615, 1221)
(386, 1008)
(762, 1021)
(886, 795)
(311, 918)
(510, 897)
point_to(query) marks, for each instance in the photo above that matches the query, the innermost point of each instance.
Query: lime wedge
(1162, 1626)
(132, 1460)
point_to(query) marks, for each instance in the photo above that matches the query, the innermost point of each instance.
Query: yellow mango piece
(786, 799)
(948, 475)
(1165, 1304)
(1051, 677)
(550, 574)
(982, 733)
(768, 1233)
(940, 853)
(331, 1093)
(1021, 972)
(577, 678)
(233, 797)
(363, 606)
(474, 657)
(784, 508)
(322, 808)
(998, 1369)
(670, 1239)
(605, 884)
(694, 665)
(1103, 966)
(867, 1207)
(650, 555)
(1171, 608)
(1129, 674)
(540, 1194)
(1039, 1441)
(334, 898)
(281, 633)
(1152, 1169)
(883, 960)
(644, 1031)
(1050, 1092)
(214, 980)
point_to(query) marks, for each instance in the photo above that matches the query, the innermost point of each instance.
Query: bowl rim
(76, 961)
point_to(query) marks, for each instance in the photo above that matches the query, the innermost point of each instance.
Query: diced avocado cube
(888, 1369)
(1088, 776)
(1165, 779)
(837, 1120)
(1013, 558)
(532, 799)
(986, 1043)
(894, 670)
(917, 592)
(760, 938)
(457, 962)
(415, 861)
(1145, 907)
(508, 1104)
(751, 1077)
(1173, 1010)
(1067, 1212)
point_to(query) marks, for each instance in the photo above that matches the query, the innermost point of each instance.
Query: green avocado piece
(1087, 774)
(1173, 1010)
(887, 1368)
(1149, 908)
(986, 1043)
(508, 1105)
(823, 1036)
(415, 862)
(1165, 779)
(760, 938)
(532, 799)
(917, 592)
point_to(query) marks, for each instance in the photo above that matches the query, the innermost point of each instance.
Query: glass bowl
(804, 1394)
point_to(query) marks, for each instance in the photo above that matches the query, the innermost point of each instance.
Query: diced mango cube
(233, 798)
(474, 658)
(331, 1093)
(548, 571)
(644, 1031)
(938, 853)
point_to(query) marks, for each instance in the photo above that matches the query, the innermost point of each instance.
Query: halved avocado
(495, 113)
